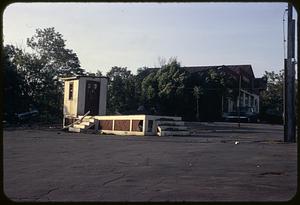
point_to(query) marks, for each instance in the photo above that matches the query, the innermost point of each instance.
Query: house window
(71, 89)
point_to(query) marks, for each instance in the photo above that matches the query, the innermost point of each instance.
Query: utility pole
(198, 108)
(289, 75)
(239, 102)
(197, 93)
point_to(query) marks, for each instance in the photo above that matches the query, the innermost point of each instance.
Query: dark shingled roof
(81, 76)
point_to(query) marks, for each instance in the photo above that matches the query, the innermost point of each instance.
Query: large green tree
(42, 68)
(121, 91)
(216, 83)
(16, 97)
(50, 48)
(142, 73)
(163, 89)
(271, 99)
(213, 84)
(53, 61)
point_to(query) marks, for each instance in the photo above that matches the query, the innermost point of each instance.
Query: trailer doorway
(92, 97)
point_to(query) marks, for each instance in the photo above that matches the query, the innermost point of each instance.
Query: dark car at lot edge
(246, 114)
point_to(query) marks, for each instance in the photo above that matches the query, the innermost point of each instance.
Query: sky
(135, 35)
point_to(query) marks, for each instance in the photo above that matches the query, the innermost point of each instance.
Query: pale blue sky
(137, 34)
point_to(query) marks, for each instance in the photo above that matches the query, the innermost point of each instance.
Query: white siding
(70, 105)
(76, 106)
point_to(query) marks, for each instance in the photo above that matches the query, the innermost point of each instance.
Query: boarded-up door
(92, 97)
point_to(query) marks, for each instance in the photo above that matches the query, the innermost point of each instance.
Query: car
(246, 114)
(27, 115)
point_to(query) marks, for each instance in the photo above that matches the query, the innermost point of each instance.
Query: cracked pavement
(51, 165)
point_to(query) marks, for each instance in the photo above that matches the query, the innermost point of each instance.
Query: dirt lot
(218, 162)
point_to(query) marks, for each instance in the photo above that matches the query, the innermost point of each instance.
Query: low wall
(129, 124)
(122, 124)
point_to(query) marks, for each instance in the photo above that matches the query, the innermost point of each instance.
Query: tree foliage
(163, 89)
(32, 80)
(169, 90)
(271, 99)
(50, 48)
(121, 91)
(15, 89)
(41, 69)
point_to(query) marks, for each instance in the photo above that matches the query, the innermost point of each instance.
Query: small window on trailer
(71, 89)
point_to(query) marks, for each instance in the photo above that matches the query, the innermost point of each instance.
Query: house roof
(80, 76)
(234, 69)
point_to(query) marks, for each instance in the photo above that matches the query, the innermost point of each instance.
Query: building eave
(81, 76)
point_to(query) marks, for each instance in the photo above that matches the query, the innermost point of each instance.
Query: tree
(27, 67)
(16, 99)
(197, 92)
(53, 61)
(214, 83)
(99, 73)
(121, 91)
(42, 68)
(142, 73)
(50, 48)
(163, 89)
(271, 99)
(149, 92)
(118, 72)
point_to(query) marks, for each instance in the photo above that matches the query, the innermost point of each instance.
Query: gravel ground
(218, 162)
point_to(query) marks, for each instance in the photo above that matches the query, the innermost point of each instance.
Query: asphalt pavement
(218, 162)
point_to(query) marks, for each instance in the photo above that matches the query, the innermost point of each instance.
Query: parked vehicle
(27, 115)
(246, 114)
